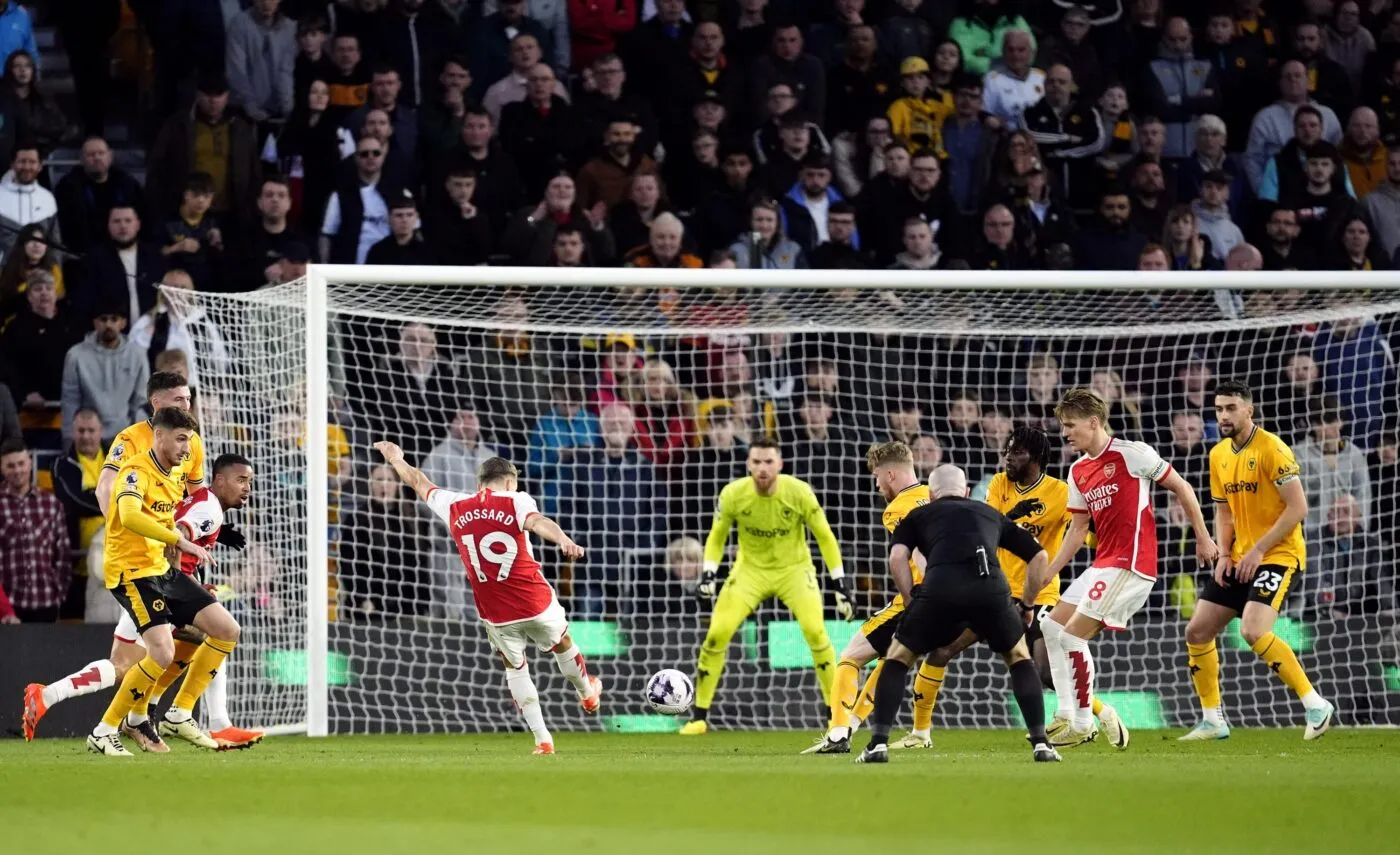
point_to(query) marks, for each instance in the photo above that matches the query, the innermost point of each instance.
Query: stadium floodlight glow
(307, 385)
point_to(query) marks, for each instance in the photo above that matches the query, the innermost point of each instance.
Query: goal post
(359, 618)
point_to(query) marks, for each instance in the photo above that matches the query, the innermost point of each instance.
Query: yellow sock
(865, 704)
(203, 666)
(1205, 672)
(926, 685)
(1097, 705)
(843, 693)
(183, 651)
(1280, 658)
(136, 685)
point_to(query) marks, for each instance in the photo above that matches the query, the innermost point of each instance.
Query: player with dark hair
(1260, 506)
(774, 512)
(963, 589)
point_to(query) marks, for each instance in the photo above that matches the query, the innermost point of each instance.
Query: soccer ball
(670, 692)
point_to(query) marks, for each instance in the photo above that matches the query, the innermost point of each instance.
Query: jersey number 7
(496, 548)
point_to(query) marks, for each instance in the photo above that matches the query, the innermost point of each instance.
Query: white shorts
(544, 630)
(1109, 595)
(126, 631)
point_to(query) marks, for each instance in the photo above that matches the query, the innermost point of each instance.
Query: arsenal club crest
(1110, 469)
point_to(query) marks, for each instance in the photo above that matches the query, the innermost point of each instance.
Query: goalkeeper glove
(709, 583)
(1024, 508)
(232, 537)
(842, 590)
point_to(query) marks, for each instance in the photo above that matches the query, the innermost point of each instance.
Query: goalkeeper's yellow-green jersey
(772, 529)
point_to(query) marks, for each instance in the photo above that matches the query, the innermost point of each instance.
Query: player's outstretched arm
(550, 531)
(393, 455)
(1206, 550)
(1074, 539)
(831, 557)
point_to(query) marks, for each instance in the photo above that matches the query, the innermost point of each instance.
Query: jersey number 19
(496, 548)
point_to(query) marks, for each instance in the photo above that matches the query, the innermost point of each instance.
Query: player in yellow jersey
(140, 525)
(892, 466)
(774, 512)
(1259, 510)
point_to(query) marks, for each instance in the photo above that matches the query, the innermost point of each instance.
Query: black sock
(889, 694)
(699, 713)
(1025, 683)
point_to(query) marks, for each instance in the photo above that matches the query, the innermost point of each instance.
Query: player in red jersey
(199, 517)
(491, 529)
(1111, 485)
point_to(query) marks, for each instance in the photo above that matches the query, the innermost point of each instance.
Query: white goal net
(628, 407)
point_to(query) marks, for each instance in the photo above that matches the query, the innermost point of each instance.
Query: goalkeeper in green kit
(773, 513)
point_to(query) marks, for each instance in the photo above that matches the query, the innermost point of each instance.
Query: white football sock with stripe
(93, 677)
(527, 700)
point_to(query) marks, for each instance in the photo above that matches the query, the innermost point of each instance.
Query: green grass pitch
(976, 792)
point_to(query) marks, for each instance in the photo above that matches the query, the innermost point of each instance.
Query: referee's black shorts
(937, 618)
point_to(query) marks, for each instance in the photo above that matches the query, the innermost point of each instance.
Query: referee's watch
(1025, 608)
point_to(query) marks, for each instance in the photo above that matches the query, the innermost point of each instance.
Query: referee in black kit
(963, 589)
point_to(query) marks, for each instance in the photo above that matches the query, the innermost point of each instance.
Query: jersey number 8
(496, 548)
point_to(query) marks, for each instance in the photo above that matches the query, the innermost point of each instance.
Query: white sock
(527, 700)
(922, 734)
(1213, 715)
(216, 702)
(836, 734)
(1060, 673)
(1081, 666)
(94, 677)
(1313, 701)
(103, 729)
(134, 719)
(572, 666)
(175, 715)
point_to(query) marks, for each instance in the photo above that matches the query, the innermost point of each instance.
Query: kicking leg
(572, 665)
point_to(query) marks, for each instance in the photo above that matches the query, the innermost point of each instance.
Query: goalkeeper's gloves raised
(232, 537)
(1024, 508)
(841, 589)
(709, 582)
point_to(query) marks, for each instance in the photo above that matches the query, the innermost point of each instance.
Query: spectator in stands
(997, 247)
(607, 101)
(1188, 452)
(193, 240)
(540, 132)
(457, 230)
(35, 565)
(1124, 414)
(381, 550)
(858, 156)
(605, 178)
(1331, 467)
(925, 196)
(1362, 152)
(1348, 43)
(981, 34)
(595, 29)
(16, 34)
(796, 142)
(75, 474)
(723, 214)
(960, 432)
(313, 60)
(1210, 156)
(38, 113)
(265, 244)
(1322, 203)
(105, 372)
(514, 86)
(663, 247)
(1297, 393)
(86, 195)
(841, 250)
(261, 60)
(179, 322)
(1190, 391)
(357, 215)
(701, 472)
(530, 235)
(454, 462)
(1242, 67)
(411, 392)
(307, 151)
(1212, 214)
(404, 245)
(766, 246)
(787, 63)
(30, 253)
(498, 185)
(23, 201)
(1273, 126)
(917, 115)
(1069, 133)
(1110, 242)
(1353, 577)
(1014, 84)
(1181, 88)
(441, 114)
(384, 88)
(1282, 249)
(123, 269)
(349, 83)
(569, 250)
(1042, 219)
(829, 455)
(515, 361)
(1384, 460)
(1385, 100)
(673, 594)
(291, 266)
(1382, 209)
(665, 413)
(1355, 249)
(928, 455)
(693, 173)
(1149, 197)
(557, 437)
(1154, 258)
(33, 345)
(414, 37)
(656, 49)
(400, 166)
(704, 69)
(859, 83)
(1183, 244)
(1285, 174)
(1073, 49)
(804, 208)
(1359, 370)
(209, 139)
(1328, 82)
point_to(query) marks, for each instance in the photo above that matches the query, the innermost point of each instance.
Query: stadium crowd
(781, 134)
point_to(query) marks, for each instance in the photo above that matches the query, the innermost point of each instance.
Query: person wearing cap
(105, 372)
(1013, 85)
(291, 266)
(404, 245)
(1180, 87)
(208, 138)
(1212, 210)
(787, 63)
(917, 116)
(1070, 133)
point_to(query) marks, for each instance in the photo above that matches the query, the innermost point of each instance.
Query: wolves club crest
(1110, 469)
